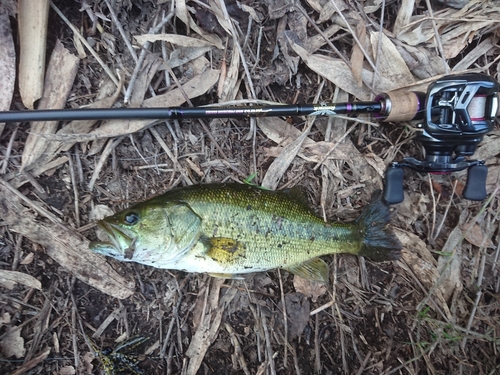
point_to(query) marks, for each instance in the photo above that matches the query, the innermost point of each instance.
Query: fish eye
(131, 218)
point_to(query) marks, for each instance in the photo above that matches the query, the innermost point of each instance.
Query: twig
(75, 189)
(285, 320)
(364, 363)
(329, 152)
(142, 56)
(39, 358)
(379, 45)
(120, 30)
(35, 206)
(104, 156)
(317, 353)
(5, 161)
(438, 230)
(269, 349)
(74, 313)
(355, 37)
(437, 36)
(17, 252)
(170, 327)
(320, 32)
(242, 56)
(237, 349)
(165, 148)
(86, 44)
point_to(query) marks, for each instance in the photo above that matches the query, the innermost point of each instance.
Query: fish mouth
(122, 245)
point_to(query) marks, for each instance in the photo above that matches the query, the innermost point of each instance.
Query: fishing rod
(454, 115)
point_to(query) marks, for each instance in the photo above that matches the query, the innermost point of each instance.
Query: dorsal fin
(299, 194)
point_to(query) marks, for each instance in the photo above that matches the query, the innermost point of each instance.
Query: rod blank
(194, 112)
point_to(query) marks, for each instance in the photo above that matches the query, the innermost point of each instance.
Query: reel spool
(459, 111)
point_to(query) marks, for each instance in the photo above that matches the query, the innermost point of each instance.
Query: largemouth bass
(228, 230)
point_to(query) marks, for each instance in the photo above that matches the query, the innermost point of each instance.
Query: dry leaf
(389, 62)
(9, 279)
(87, 362)
(309, 288)
(279, 166)
(230, 85)
(404, 15)
(449, 264)
(197, 86)
(28, 259)
(357, 56)
(418, 260)
(67, 370)
(337, 72)
(297, 311)
(7, 63)
(12, 343)
(181, 40)
(477, 236)
(183, 55)
(99, 212)
(182, 13)
(60, 75)
(256, 16)
(4, 319)
(209, 325)
(32, 21)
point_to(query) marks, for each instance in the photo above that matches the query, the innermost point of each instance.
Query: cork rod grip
(403, 105)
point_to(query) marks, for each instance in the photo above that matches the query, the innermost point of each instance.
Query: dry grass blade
(9, 279)
(33, 21)
(59, 78)
(7, 63)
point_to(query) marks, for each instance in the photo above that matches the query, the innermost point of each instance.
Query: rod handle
(402, 105)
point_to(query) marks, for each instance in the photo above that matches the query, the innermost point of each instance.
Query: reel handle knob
(475, 188)
(393, 184)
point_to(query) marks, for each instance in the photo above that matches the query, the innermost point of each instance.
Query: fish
(230, 230)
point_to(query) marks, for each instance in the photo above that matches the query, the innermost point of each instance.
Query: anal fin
(315, 269)
(233, 276)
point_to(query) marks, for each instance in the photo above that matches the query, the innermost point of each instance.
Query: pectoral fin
(225, 251)
(314, 269)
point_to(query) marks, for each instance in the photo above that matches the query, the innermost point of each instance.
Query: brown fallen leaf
(309, 288)
(67, 370)
(297, 312)
(477, 236)
(10, 278)
(449, 264)
(12, 343)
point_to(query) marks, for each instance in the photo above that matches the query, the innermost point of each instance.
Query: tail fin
(379, 241)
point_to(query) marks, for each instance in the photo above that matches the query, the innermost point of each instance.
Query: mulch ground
(65, 310)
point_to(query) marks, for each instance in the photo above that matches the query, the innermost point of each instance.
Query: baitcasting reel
(458, 112)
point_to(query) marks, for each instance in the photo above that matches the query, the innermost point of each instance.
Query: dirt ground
(65, 310)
